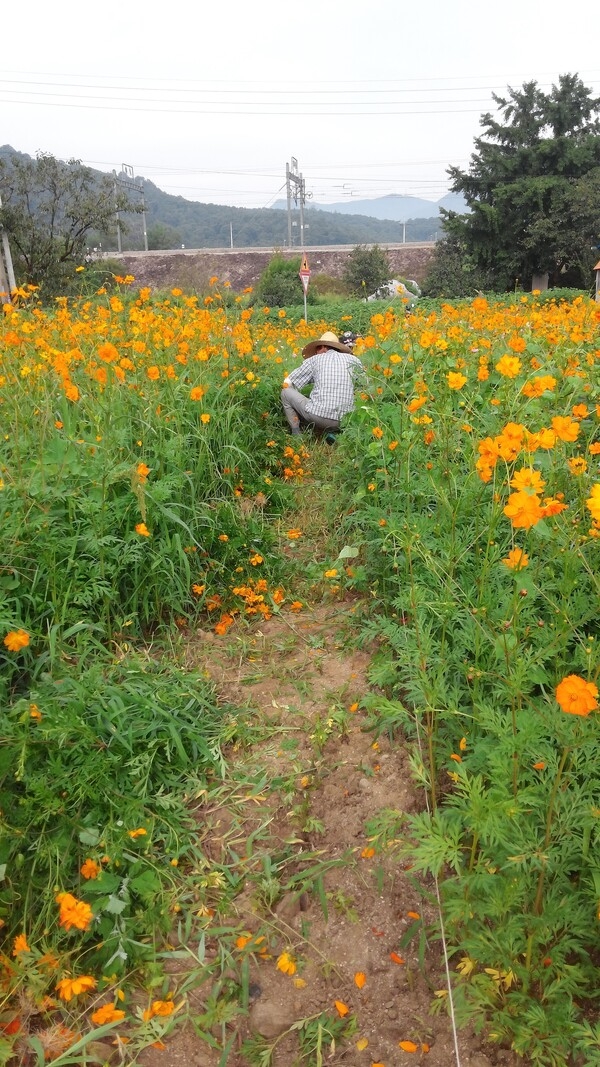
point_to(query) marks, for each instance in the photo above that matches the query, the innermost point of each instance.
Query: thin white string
(441, 918)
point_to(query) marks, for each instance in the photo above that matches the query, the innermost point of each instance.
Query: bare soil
(329, 781)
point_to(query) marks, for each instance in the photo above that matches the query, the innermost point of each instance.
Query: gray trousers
(294, 406)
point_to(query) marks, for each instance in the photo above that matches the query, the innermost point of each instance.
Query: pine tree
(532, 187)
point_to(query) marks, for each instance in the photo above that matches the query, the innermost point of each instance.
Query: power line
(304, 92)
(503, 78)
(245, 114)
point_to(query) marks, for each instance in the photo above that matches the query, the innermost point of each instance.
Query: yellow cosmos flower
(286, 963)
(592, 503)
(509, 366)
(68, 988)
(455, 381)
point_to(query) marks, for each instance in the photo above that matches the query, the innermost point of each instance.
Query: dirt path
(309, 816)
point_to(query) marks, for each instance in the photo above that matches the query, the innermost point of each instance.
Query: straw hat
(330, 340)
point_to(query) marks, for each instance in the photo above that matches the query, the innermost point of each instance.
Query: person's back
(331, 368)
(333, 376)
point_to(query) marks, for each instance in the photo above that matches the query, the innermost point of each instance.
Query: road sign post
(304, 275)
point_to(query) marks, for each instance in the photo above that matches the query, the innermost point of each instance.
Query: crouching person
(332, 369)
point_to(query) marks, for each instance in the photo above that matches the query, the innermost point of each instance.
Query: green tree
(48, 210)
(279, 284)
(532, 187)
(366, 269)
(453, 272)
(161, 235)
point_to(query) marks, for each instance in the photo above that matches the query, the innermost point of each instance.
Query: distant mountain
(394, 207)
(174, 222)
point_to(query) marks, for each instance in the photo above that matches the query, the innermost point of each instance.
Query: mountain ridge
(173, 222)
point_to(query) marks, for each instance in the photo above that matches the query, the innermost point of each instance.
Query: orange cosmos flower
(107, 1013)
(224, 623)
(552, 506)
(523, 510)
(565, 428)
(162, 1008)
(580, 411)
(527, 478)
(20, 945)
(142, 471)
(197, 392)
(142, 530)
(74, 914)
(360, 979)
(90, 869)
(205, 419)
(15, 640)
(68, 988)
(576, 696)
(518, 344)
(516, 559)
(293, 535)
(296, 605)
(140, 832)
(341, 1008)
(377, 432)
(108, 353)
(153, 373)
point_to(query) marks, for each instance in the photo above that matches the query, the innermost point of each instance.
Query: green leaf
(348, 552)
(115, 905)
(89, 836)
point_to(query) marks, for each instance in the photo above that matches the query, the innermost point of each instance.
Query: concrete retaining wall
(192, 268)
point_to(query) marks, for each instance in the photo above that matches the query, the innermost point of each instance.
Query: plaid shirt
(333, 375)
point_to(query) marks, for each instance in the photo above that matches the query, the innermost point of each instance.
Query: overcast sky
(210, 100)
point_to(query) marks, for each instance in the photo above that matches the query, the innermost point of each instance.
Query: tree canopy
(366, 269)
(532, 188)
(48, 210)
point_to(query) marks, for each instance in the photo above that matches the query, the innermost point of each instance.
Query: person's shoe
(330, 438)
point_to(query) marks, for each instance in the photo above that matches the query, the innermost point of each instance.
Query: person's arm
(300, 376)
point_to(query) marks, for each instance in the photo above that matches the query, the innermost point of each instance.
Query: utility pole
(7, 274)
(295, 179)
(126, 180)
